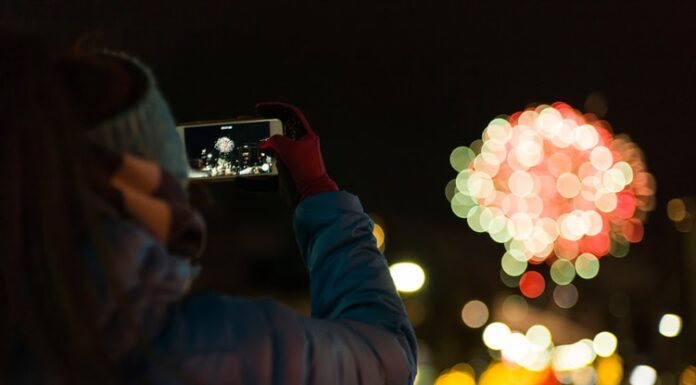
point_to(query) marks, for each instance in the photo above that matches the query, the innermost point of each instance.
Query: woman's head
(145, 127)
(135, 118)
(52, 108)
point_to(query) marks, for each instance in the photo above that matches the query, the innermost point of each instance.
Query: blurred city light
(562, 272)
(515, 347)
(565, 296)
(688, 376)
(604, 344)
(670, 325)
(475, 314)
(676, 210)
(513, 266)
(583, 362)
(539, 336)
(500, 373)
(379, 235)
(459, 374)
(455, 377)
(408, 276)
(587, 266)
(680, 211)
(495, 334)
(532, 284)
(610, 370)
(643, 375)
(573, 357)
(552, 182)
(584, 376)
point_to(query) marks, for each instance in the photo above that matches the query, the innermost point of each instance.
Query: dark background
(392, 87)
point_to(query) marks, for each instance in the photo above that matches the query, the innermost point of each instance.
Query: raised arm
(350, 282)
(349, 277)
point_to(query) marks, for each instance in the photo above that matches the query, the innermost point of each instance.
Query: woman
(98, 236)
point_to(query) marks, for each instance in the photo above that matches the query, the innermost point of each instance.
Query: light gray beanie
(146, 128)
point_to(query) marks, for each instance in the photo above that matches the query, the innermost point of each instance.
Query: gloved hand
(300, 157)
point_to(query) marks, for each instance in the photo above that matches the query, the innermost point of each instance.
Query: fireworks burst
(555, 186)
(224, 145)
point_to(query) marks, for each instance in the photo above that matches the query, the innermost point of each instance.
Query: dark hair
(48, 297)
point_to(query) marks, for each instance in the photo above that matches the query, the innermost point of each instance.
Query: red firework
(553, 184)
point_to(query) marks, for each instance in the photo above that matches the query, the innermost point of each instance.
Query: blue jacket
(358, 332)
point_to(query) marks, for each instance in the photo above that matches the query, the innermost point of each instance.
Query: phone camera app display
(227, 150)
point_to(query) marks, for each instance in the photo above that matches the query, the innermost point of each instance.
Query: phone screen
(227, 149)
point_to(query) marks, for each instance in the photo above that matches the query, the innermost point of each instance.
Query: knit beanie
(146, 128)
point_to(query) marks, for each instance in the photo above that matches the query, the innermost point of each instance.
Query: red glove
(301, 157)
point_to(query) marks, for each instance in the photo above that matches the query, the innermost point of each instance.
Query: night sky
(391, 88)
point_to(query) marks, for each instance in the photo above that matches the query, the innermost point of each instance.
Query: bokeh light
(408, 276)
(495, 334)
(676, 210)
(532, 351)
(681, 212)
(456, 376)
(604, 344)
(515, 347)
(539, 336)
(574, 356)
(587, 266)
(643, 375)
(562, 272)
(565, 296)
(670, 325)
(609, 370)
(378, 233)
(584, 376)
(532, 284)
(584, 362)
(688, 376)
(475, 314)
(552, 184)
(499, 373)
(513, 266)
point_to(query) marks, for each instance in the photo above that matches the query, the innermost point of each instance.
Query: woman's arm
(349, 277)
(358, 332)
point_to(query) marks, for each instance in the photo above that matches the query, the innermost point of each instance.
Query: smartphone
(229, 149)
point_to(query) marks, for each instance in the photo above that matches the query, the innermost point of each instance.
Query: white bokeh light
(670, 325)
(604, 344)
(408, 276)
(495, 334)
(643, 375)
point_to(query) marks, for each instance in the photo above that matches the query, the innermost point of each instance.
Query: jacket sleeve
(349, 278)
(358, 333)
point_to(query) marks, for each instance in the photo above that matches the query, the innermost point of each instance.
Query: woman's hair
(48, 296)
